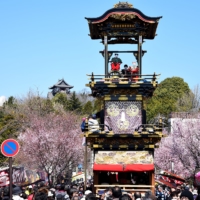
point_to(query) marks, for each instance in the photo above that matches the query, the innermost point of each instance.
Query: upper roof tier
(61, 84)
(123, 21)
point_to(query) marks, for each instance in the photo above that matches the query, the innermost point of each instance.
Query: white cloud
(2, 100)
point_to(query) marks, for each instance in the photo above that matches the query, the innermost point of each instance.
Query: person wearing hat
(16, 193)
(50, 195)
(31, 192)
(195, 193)
(87, 192)
(115, 63)
(116, 59)
(186, 195)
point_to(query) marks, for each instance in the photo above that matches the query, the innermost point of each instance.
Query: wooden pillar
(96, 181)
(85, 163)
(106, 54)
(140, 54)
(152, 182)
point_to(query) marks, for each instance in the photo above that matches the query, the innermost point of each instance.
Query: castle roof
(61, 84)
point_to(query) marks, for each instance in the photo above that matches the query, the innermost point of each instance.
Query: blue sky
(42, 41)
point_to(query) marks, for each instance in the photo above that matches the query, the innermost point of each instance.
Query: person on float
(134, 71)
(93, 124)
(115, 63)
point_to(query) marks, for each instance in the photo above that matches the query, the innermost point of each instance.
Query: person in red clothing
(30, 197)
(115, 63)
(134, 72)
(32, 194)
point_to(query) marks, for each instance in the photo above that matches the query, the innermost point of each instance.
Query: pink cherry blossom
(51, 143)
(182, 146)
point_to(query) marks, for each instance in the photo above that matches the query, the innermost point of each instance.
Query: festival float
(123, 146)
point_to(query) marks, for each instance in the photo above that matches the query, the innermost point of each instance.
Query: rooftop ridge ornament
(123, 5)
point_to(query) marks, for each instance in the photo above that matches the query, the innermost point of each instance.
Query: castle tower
(61, 86)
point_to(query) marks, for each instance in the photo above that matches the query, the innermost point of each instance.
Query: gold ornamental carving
(123, 141)
(123, 17)
(123, 5)
(123, 91)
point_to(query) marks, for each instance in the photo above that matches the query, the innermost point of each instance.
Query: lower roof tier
(123, 141)
(122, 86)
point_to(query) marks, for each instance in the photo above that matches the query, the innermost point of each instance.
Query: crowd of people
(79, 192)
(184, 192)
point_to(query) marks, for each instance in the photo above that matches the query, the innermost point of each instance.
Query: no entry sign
(10, 148)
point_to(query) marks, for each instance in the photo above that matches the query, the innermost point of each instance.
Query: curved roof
(123, 22)
(135, 11)
(61, 84)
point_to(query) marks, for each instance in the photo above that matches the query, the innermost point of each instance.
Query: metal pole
(85, 167)
(106, 54)
(10, 176)
(140, 54)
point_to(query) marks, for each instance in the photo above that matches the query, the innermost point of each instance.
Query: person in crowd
(149, 195)
(28, 190)
(179, 189)
(168, 193)
(34, 191)
(87, 192)
(75, 193)
(195, 194)
(186, 195)
(1, 193)
(42, 193)
(125, 197)
(174, 195)
(72, 192)
(198, 194)
(81, 189)
(117, 192)
(83, 124)
(160, 193)
(17, 191)
(60, 190)
(173, 189)
(74, 186)
(91, 196)
(137, 196)
(75, 198)
(108, 193)
(6, 194)
(50, 195)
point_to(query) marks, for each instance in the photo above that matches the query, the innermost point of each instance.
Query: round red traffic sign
(10, 148)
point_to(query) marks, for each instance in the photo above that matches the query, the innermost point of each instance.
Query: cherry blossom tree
(181, 146)
(51, 142)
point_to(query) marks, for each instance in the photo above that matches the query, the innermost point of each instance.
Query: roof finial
(123, 5)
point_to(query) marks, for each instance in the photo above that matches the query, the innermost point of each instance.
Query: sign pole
(10, 148)
(10, 176)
